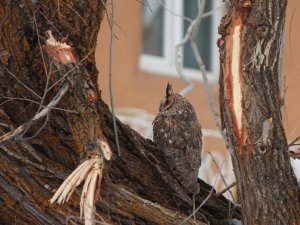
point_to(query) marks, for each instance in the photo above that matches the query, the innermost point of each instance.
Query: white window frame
(173, 34)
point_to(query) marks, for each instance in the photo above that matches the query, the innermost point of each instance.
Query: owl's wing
(180, 139)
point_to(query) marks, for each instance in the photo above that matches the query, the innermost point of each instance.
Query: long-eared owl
(177, 133)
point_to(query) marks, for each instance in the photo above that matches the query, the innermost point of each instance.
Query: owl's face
(167, 103)
(169, 100)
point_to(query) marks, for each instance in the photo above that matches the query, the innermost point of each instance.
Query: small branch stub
(61, 52)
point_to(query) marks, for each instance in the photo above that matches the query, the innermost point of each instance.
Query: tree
(252, 32)
(39, 152)
(50, 113)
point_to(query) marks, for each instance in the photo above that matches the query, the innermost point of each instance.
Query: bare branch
(39, 130)
(205, 200)
(178, 49)
(39, 41)
(173, 13)
(19, 130)
(24, 85)
(49, 21)
(75, 12)
(294, 141)
(290, 42)
(204, 75)
(46, 86)
(38, 103)
(226, 189)
(110, 77)
(223, 179)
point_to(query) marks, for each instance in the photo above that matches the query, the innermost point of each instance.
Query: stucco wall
(134, 88)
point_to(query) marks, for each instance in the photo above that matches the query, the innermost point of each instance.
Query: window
(163, 30)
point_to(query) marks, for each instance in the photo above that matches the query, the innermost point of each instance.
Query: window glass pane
(153, 21)
(204, 39)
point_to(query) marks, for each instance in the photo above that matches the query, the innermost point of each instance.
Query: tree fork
(32, 170)
(252, 32)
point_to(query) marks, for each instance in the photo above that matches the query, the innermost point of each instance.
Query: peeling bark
(252, 32)
(137, 188)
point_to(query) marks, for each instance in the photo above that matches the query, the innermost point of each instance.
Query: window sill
(160, 66)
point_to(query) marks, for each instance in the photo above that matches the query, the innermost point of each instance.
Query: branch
(19, 130)
(156, 213)
(294, 142)
(110, 78)
(226, 189)
(201, 65)
(205, 200)
(223, 179)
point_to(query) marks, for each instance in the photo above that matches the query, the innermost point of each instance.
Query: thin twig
(226, 189)
(39, 130)
(109, 23)
(24, 85)
(290, 42)
(35, 102)
(145, 4)
(294, 142)
(19, 130)
(173, 13)
(194, 26)
(178, 50)
(39, 41)
(46, 86)
(205, 200)
(205, 80)
(71, 70)
(210, 13)
(110, 78)
(49, 21)
(204, 15)
(75, 12)
(222, 177)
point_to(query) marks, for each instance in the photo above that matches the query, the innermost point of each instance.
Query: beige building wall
(134, 88)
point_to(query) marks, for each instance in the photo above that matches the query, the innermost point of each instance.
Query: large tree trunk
(138, 187)
(252, 32)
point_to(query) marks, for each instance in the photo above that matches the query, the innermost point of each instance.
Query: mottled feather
(178, 134)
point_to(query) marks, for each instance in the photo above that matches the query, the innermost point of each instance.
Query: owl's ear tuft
(169, 89)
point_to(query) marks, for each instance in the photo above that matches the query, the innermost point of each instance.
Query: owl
(177, 133)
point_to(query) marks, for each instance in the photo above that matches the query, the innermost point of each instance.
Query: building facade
(144, 62)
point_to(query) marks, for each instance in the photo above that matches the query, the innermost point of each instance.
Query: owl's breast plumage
(178, 134)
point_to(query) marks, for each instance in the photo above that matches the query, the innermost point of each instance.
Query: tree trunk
(252, 32)
(138, 187)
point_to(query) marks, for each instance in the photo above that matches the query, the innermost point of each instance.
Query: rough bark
(252, 32)
(138, 188)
